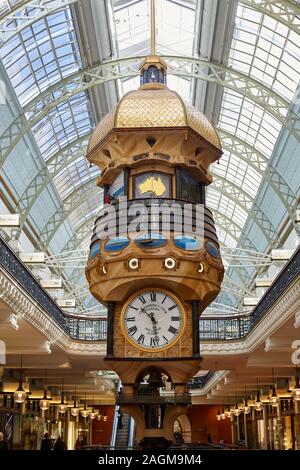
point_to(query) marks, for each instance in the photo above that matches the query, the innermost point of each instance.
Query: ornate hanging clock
(153, 320)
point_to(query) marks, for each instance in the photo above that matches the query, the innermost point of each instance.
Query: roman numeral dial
(153, 320)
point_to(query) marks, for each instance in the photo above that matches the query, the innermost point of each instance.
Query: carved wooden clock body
(153, 320)
(154, 150)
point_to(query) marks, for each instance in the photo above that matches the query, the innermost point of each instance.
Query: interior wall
(101, 431)
(204, 422)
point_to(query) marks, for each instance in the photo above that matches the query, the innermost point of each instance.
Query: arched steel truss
(17, 18)
(189, 67)
(286, 12)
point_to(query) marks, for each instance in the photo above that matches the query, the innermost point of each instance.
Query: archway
(185, 427)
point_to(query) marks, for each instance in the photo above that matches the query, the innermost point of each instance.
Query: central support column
(110, 328)
(196, 336)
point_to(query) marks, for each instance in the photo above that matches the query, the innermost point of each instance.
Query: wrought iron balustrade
(81, 328)
(95, 328)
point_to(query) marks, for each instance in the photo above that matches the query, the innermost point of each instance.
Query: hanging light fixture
(223, 415)
(296, 389)
(105, 417)
(258, 405)
(84, 412)
(20, 395)
(237, 410)
(62, 407)
(228, 412)
(218, 416)
(75, 409)
(93, 413)
(44, 402)
(99, 416)
(274, 399)
(246, 407)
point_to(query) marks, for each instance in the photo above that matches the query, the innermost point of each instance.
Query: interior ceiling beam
(286, 12)
(189, 67)
(17, 18)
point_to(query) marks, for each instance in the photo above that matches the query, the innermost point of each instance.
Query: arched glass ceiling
(47, 51)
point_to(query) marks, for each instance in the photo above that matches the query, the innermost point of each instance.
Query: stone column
(110, 328)
(265, 427)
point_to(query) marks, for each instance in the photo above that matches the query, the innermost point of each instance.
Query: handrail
(237, 327)
(130, 433)
(94, 329)
(114, 428)
(80, 328)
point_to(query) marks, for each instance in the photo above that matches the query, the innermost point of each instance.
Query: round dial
(153, 319)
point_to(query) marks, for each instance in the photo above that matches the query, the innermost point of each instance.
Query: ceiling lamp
(236, 410)
(84, 412)
(228, 412)
(223, 415)
(246, 407)
(274, 399)
(99, 417)
(258, 405)
(75, 409)
(296, 389)
(62, 407)
(44, 402)
(93, 413)
(218, 416)
(20, 395)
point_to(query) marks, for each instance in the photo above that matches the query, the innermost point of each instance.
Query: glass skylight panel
(175, 28)
(85, 210)
(248, 121)
(226, 206)
(63, 124)
(266, 50)
(42, 54)
(70, 177)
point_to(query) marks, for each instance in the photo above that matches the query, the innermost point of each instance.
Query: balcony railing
(94, 329)
(117, 221)
(81, 328)
(180, 399)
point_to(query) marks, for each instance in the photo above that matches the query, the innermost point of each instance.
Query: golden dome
(153, 105)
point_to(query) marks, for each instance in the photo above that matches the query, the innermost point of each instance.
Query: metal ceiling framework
(43, 104)
(22, 14)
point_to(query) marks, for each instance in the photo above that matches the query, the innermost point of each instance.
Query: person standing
(59, 444)
(3, 442)
(46, 442)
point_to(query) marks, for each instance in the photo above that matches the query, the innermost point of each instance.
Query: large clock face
(153, 320)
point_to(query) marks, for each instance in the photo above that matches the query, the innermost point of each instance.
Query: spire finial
(153, 27)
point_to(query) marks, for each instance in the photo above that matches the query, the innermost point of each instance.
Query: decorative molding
(283, 309)
(217, 376)
(23, 306)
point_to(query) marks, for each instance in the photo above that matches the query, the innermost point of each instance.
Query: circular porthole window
(94, 250)
(116, 244)
(150, 240)
(185, 242)
(212, 249)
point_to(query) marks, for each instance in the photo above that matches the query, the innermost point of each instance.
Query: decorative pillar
(233, 440)
(196, 337)
(110, 329)
(238, 437)
(245, 430)
(297, 423)
(265, 427)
